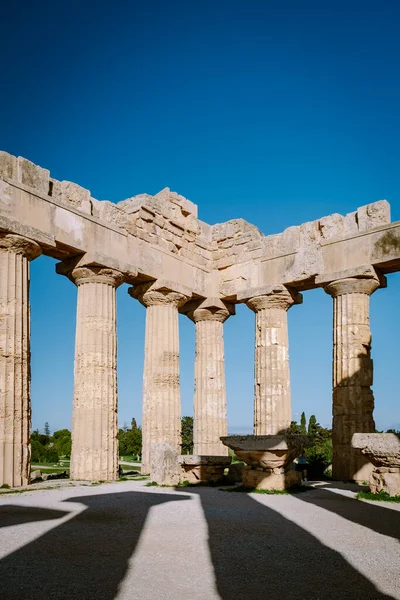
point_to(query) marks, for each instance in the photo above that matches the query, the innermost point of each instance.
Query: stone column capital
(18, 244)
(158, 294)
(210, 309)
(352, 285)
(81, 275)
(278, 297)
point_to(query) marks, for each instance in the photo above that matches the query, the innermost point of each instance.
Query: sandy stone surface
(125, 541)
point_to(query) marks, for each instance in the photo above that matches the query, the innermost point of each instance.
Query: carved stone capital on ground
(352, 285)
(17, 244)
(278, 297)
(210, 309)
(158, 293)
(104, 275)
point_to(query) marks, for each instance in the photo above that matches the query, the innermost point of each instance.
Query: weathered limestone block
(164, 467)
(108, 211)
(388, 482)
(186, 206)
(210, 420)
(134, 204)
(353, 400)
(307, 264)
(288, 241)
(382, 449)
(351, 223)
(331, 227)
(33, 176)
(270, 479)
(203, 469)
(8, 165)
(272, 402)
(94, 455)
(35, 476)
(15, 375)
(161, 420)
(373, 215)
(75, 195)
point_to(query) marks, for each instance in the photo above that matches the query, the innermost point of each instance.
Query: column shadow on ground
(376, 517)
(14, 514)
(85, 557)
(258, 554)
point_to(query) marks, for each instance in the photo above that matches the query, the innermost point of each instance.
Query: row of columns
(94, 428)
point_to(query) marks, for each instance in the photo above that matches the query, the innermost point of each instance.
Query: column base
(270, 479)
(203, 469)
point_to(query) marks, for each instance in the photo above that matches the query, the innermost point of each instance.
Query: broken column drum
(15, 375)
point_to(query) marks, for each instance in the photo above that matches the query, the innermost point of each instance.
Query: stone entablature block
(150, 237)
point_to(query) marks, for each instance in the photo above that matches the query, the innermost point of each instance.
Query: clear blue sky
(279, 112)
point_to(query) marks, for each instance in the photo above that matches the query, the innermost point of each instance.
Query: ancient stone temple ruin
(175, 262)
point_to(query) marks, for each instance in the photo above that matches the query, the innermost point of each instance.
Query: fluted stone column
(210, 420)
(161, 420)
(15, 373)
(272, 402)
(353, 400)
(94, 454)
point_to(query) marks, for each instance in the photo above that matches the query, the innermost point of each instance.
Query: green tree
(46, 429)
(187, 435)
(62, 442)
(303, 423)
(311, 425)
(294, 428)
(130, 440)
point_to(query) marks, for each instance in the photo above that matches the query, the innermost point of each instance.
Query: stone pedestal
(15, 410)
(353, 400)
(383, 450)
(203, 469)
(161, 421)
(210, 420)
(269, 459)
(272, 402)
(94, 455)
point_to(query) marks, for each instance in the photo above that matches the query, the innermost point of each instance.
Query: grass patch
(381, 497)
(152, 484)
(5, 486)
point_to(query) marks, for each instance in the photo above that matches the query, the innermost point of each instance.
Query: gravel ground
(128, 541)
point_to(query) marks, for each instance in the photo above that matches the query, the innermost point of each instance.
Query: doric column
(210, 421)
(272, 403)
(353, 400)
(161, 420)
(15, 373)
(94, 454)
